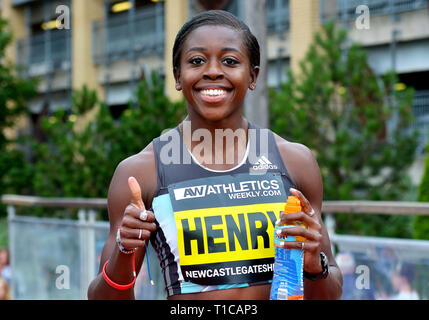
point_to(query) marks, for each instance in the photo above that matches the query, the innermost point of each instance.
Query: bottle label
(288, 283)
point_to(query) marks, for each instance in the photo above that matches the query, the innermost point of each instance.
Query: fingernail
(278, 232)
(277, 222)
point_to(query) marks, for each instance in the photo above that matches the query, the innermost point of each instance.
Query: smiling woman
(211, 218)
(214, 73)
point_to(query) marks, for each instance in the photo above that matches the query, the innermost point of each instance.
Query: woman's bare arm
(119, 268)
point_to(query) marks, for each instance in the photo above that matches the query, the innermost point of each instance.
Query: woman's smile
(213, 95)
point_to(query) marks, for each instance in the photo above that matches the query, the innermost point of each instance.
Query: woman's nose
(213, 71)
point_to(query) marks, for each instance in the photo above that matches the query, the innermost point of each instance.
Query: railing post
(87, 244)
(90, 245)
(82, 225)
(330, 227)
(11, 212)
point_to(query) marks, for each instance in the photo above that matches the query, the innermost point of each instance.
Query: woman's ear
(177, 78)
(253, 77)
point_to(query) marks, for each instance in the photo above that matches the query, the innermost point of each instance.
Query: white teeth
(213, 92)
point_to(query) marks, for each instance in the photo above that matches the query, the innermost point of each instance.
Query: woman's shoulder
(141, 166)
(293, 150)
(142, 158)
(299, 160)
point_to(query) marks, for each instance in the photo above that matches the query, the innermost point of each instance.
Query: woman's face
(215, 72)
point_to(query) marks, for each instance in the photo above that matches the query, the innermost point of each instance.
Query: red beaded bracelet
(119, 286)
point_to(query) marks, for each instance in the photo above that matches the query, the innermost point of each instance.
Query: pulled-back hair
(216, 18)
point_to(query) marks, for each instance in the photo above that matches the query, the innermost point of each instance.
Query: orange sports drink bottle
(288, 283)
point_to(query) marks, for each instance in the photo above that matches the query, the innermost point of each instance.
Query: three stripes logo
(264, 164)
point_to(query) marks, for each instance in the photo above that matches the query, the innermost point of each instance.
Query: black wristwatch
(325, 269)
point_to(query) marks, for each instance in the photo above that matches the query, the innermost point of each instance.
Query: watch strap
(325, 269)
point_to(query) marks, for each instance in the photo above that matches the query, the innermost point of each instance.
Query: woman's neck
(219, 145)
(234, 121)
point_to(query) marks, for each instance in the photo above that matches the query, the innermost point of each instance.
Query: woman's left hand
(313, 235)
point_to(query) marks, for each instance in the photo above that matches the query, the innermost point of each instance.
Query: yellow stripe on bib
(224, 234)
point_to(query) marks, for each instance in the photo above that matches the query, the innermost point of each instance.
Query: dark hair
(217, 18)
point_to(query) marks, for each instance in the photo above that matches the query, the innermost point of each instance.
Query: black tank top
(215, 227)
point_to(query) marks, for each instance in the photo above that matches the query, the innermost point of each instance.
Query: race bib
(225, 227)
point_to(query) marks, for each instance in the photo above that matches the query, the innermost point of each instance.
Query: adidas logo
(264, 164)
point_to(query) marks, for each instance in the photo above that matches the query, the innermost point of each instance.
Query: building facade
(111, 45)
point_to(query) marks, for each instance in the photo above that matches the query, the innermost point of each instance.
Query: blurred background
(85, 84)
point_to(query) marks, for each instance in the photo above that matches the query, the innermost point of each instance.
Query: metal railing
(381, 261)
(421, 123)
(89, 236)
(278, 15)
(330, 208)
(54, 44)
(53, 52)
(55, 258)
(346, 9)
(141, 33)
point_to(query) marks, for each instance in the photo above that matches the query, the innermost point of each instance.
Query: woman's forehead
(214, 35)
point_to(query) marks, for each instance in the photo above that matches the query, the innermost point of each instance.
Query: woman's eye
(230, 61)
(196, 61)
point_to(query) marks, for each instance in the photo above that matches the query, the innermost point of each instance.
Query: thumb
(136, 192)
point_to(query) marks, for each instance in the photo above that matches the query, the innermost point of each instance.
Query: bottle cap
(292, 205)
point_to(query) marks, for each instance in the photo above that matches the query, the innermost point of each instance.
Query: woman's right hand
(137, 222)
